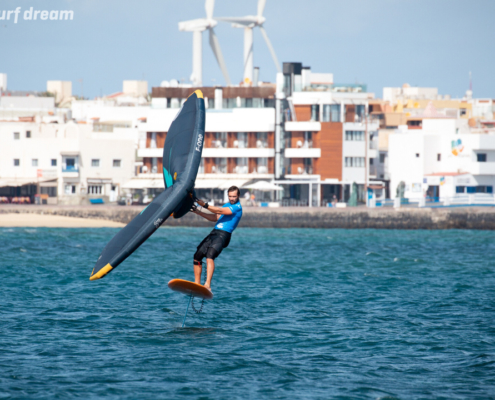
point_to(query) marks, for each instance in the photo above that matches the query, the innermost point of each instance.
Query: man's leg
(198, 268)
(210, 268)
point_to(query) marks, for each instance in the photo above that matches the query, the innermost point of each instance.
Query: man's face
(233, 197)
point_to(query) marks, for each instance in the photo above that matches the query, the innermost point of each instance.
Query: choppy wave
(368, 314)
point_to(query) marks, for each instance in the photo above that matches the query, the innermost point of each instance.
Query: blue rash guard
(228, 223)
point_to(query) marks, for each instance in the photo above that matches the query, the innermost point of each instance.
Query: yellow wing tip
(101, 273)
(199, 94)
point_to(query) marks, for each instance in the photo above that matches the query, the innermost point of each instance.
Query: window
(335, 112)
(220, 140)
(95, 189)
(463, 112)
(242, 166)
(220, 166)
(50, 191)
(439, 157)
(354, 135)
(308, 140)
(28, 134)
(481, 157)
(70, 189)
(154, 165)
(371, 161)
(116, 163)
(357, 162)
(54, 162)
(34, 162)
(382, 158)
(325, 115)
(16, 136)
(95, 162)
(460, 189)
(17, 162)
(417, 155)
(331, 113)
(315, 112)
(261, 140)
(308, 165)
(70, 165)
(242, 140)
(359, 112)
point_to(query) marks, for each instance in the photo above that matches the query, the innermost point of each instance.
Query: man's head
(234, 194)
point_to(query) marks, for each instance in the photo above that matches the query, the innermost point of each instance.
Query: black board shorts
(212, 245)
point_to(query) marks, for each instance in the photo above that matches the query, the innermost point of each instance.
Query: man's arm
(208, 216)
(215, 210)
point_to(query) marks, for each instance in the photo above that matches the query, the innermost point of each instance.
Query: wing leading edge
(182, 157)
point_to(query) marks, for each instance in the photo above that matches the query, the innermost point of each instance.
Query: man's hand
(200, 202)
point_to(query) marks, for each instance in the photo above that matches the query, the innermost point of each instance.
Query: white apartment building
(65, 163)
(444, 159)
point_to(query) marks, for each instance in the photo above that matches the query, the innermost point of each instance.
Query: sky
(428, 43)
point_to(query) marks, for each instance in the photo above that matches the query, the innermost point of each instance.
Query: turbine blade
(270, 47)
(194, 25)
(215, 46)
(261, 7)
(239, 20)
(209, 5)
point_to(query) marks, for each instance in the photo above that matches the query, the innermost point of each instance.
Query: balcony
(482, 168)
(303, 153)
(70, 168)
(238, 153)
(217, 152)
(303, 126)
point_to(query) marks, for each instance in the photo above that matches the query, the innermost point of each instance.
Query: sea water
(297, 313)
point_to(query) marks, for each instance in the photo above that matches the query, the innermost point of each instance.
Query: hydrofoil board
(190, 288)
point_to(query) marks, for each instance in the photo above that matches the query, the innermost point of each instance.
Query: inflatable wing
(181, 159)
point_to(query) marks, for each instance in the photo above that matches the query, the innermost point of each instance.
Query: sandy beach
(54, 221)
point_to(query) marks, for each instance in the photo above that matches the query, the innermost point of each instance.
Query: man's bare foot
(207, 286)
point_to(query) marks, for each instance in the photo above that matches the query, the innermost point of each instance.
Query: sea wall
(350, 218)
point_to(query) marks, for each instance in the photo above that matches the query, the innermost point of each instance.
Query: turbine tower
(248, 23)
(197, 27)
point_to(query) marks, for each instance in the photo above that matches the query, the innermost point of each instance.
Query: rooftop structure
(61, 89)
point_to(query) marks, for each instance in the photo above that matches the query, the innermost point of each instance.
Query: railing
(219, 169)
(480, 199)
(219, 144)
(294, 203)
(302, 171)
(306, 144)
(70, 168)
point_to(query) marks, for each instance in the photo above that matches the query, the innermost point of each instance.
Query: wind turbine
(197, 27)
(248, 23)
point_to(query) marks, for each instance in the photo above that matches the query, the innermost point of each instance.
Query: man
(227, 218)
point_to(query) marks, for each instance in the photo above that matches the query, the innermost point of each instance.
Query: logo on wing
(158, 222)
(199, 142)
